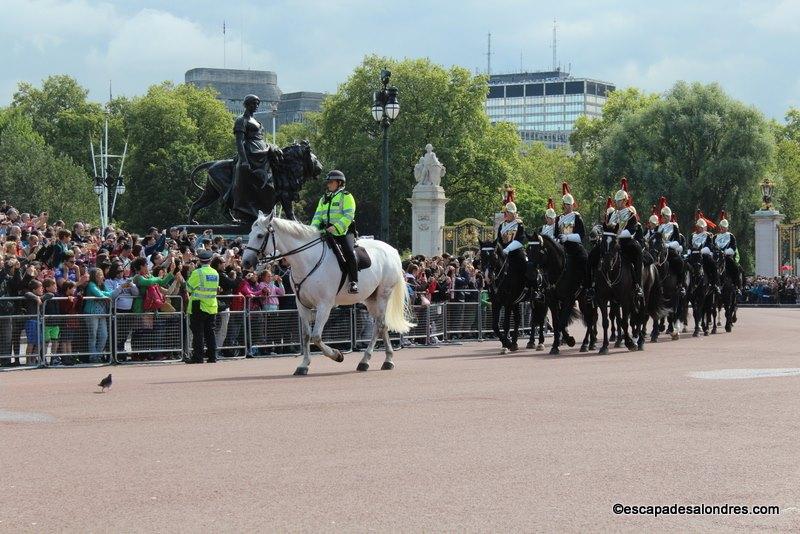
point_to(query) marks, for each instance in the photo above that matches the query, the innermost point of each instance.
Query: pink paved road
(454, 439)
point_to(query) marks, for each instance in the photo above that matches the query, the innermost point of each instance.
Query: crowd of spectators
(771, 290)
(75, 270)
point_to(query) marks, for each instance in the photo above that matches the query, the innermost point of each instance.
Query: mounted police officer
(625, 222)
(549, 226)
(571, 232)
(335, 214)
(702, 242)
(202, 287)
(511, 238)
(726, 243)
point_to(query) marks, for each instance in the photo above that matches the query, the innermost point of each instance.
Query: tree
(699, 147)
(171, 130)
(66, 120)
(541, 172)
(35, 178)
(787, 165)
(444, 107)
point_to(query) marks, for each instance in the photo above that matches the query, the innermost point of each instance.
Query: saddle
(363, 261)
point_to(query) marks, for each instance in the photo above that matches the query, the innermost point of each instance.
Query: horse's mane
(294, 228)
(553, 243)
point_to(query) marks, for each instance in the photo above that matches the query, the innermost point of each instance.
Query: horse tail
(658, 304)
(201, 167)
(574, 315)
(398, 308)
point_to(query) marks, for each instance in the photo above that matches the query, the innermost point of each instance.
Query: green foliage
(440, 106)
(171, 129)
(695, 145)
(35, 178)
(786, 170)
(541, 172)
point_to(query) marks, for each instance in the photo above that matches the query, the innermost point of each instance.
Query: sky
(749, 47)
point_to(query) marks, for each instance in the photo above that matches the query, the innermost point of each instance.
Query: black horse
(614, 285)
(727, 300)
(288, 173)
(700, 293)
(506, 291)
(671, 285)
(560, 288)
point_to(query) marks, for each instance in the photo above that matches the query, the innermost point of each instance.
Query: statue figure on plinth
(429, 170)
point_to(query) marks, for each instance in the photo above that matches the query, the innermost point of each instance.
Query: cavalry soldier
(335, 214)
(511, 238)
(570, 230)
(703, 243)
(672, 239)
(726, 243)
(549, 226)
(624, 221)
(652, 225)
(202, 288)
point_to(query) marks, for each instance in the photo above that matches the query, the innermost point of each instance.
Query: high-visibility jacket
(336, 209)
(202, 286)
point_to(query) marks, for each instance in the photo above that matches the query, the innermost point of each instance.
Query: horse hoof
(618, 344)
(513, 347)
(554, 351)
(603, 350)
(592, 346)
(675, 336)
(387, 366)
(714, 330)
(362, 366)
(540, 347)
(613, 337)
(570, 341)
(695, 334)
(301, 371)
(632, 347)
(654, 339)
(728, 328)
(504, 350)
(338, 356)
(705, 333)
(583, 348)
(640, 347)
(530, 345)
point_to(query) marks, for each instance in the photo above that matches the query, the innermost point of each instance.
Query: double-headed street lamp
(385, 110)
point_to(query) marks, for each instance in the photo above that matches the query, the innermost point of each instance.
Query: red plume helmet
(550, 204)
(709, 222)
(623, 184)
(654, 210)
(662, 203)
(565, 188)
(609, 203)
(674, 217)
(723, 215)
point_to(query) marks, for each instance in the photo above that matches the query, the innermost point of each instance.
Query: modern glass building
(544, 105)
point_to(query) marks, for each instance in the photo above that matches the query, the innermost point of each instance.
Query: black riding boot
(348, 244)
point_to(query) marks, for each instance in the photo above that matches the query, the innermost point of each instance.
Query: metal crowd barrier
(66, 332)
(148, 335)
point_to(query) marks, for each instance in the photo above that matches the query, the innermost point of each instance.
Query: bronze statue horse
(243, 200)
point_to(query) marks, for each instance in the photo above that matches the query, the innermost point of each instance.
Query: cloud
(782, 17)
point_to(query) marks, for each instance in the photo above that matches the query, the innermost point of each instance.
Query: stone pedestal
(427, 219)
(767, 253)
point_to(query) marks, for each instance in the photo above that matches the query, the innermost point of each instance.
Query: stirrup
(353, 288)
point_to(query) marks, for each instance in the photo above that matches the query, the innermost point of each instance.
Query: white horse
(315, 279)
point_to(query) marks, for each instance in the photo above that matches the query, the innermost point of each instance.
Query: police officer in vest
(335, 214)
(202, 287)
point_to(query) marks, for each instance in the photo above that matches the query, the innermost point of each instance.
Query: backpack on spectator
(153, 299)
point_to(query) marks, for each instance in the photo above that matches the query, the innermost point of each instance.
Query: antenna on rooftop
(489, 55)
(554, 46)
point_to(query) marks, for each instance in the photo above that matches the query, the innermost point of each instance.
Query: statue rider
(253, 158)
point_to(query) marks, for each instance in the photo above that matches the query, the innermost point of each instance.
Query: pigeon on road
(105, 383)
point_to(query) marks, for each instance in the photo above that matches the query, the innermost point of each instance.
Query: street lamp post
(274, 108)
(385, 110)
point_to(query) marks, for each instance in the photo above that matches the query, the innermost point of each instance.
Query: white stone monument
(427, 205)
(767, 253)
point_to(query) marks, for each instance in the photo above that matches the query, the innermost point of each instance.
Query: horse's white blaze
(740, 374)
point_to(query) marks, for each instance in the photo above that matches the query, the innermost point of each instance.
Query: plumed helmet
(551, 209)
(336, 175)
(723, 220)
(567, 197)
(674, 219)
(622, 193)
(610, 207)
(663, 209)
(654, 215)
(510, 207)
(251, 98)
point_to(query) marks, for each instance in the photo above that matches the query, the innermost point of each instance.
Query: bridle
(261, 254)
(615, 261)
